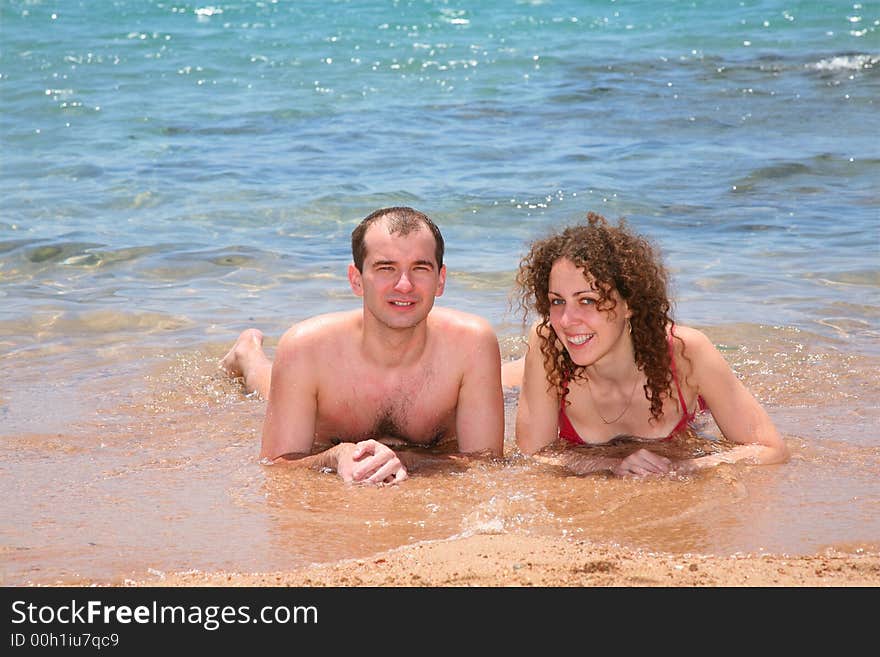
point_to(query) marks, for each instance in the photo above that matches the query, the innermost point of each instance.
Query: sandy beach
(519, 560)
(177, 174)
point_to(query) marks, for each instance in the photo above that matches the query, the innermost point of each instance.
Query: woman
(605, 361)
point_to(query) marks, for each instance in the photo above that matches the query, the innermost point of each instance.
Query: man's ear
(441, 281)
(356, 280)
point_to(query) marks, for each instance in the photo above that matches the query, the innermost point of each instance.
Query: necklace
(625, 408)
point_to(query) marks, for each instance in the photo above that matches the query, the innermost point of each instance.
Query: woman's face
(587, 332)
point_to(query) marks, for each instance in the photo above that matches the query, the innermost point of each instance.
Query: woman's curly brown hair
(618, 259)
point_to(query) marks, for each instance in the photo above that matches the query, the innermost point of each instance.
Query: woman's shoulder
(541, 330)
(692, 349)
(691, 343)
(689, 337)
(539, 334)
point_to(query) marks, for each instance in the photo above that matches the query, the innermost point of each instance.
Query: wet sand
(145, 473)
(520, 560)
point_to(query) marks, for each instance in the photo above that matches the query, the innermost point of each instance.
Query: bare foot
(233, 363)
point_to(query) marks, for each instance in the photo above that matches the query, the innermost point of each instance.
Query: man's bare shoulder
(460, 324)
(321, 331)
(466, 342)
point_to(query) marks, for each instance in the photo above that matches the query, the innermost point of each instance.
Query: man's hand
(641, 464)
(369, 461)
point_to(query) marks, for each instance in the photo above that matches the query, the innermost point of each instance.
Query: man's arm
(479, 424)
(367, 461)
(479, 415)
(291, 418)
(289, 425)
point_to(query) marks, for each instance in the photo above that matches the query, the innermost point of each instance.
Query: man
(399, 372)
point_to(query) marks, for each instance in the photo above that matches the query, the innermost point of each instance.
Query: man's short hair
(401, 221)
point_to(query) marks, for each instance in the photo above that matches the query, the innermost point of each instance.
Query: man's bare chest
(395, 410)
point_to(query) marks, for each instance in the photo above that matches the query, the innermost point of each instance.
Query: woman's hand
(641, 464)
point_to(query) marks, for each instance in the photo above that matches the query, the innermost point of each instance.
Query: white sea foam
(846, 63)
(207, 11)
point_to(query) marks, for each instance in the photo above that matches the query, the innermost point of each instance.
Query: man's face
(400, 276)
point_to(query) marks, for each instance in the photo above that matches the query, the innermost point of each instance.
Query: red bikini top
(569, 433)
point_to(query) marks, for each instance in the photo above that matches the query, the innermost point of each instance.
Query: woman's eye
(556, 302)
(587, 301)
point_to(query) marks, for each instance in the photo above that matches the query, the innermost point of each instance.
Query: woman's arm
(584, 460)
(537, 413)
(737, 413)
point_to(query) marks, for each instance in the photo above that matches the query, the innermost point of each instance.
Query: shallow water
(171, 174)
(149, 464)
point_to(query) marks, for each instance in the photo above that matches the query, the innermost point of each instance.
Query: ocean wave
(846, 63)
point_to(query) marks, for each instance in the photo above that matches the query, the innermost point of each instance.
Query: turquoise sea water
(204, 163)
(173, 172)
